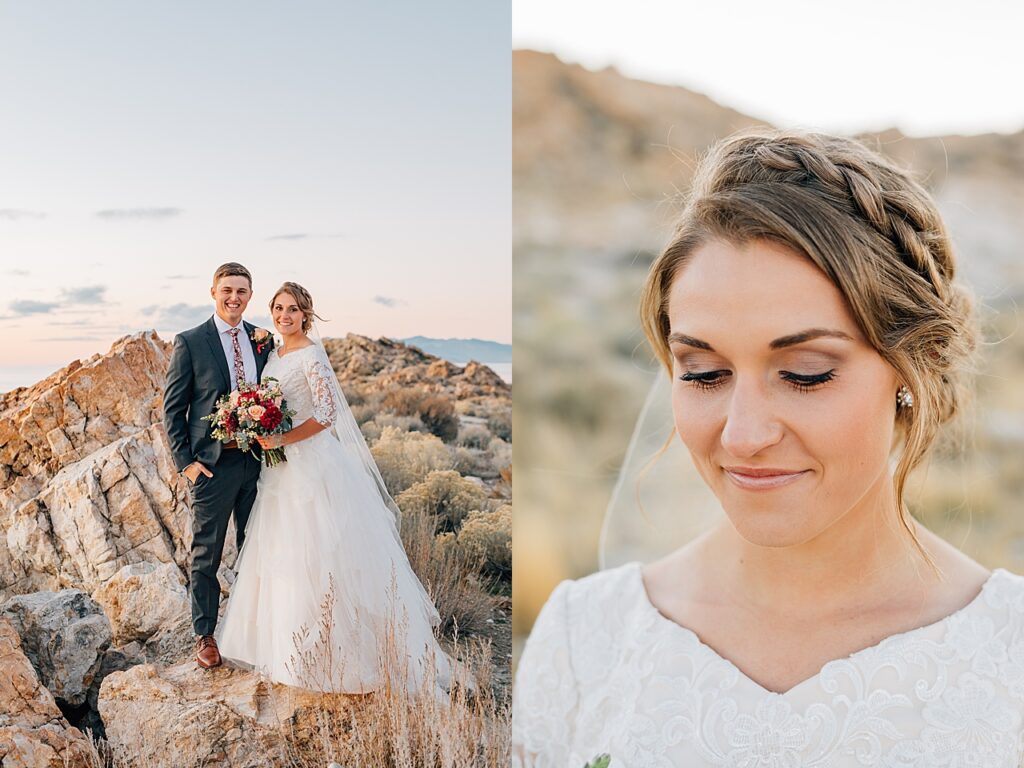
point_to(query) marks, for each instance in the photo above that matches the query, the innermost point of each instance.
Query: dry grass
(448, 573)
(390, 727)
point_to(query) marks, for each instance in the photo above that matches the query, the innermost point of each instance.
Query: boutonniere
(261, 337)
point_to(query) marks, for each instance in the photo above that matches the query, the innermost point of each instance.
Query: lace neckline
(674, 626)
(277, 351)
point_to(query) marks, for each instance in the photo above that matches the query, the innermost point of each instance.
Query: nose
(750, 423)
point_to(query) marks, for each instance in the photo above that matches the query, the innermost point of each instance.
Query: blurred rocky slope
(599, 165)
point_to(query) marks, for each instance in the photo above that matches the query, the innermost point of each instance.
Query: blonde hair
(302, 299)
(873, 230)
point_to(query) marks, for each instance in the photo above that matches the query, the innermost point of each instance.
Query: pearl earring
(903, 398)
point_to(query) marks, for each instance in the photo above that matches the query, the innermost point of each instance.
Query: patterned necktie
(239, 365)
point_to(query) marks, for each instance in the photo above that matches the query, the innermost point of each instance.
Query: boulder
(64, 635)
(142, 597)
(220, 718)
(33, 732)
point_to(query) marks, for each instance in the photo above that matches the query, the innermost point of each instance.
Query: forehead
(755, 291)
(285, 299)
(233, 281)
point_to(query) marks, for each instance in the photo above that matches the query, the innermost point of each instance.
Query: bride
(322, 542)
(807, 314)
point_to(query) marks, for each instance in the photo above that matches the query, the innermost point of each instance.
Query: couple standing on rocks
(317, 534)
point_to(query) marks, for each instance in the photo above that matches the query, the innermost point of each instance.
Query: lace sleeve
(544, 697)
(319, 375)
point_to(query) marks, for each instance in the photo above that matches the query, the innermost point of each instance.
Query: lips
(762, 478)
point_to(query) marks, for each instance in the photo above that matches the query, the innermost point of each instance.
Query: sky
(362, 150)
(928, 68)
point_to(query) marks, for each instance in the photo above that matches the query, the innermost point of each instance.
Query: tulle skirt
(321, 547)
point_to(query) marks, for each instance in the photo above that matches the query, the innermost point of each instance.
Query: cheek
(697, 420)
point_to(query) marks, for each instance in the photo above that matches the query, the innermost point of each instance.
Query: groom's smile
(232, 294)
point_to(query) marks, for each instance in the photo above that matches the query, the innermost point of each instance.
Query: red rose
(271, 418)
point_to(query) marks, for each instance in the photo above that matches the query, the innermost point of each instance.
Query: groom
(206, 363)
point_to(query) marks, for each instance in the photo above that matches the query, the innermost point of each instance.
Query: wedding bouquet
(251, 411)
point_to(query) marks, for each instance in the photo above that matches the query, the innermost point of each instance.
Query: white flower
(257, 411)
(773, 738)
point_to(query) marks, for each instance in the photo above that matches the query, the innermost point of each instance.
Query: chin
(777, 524)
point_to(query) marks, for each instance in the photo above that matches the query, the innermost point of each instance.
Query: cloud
(304, 236)
(13, 214)
(72, 338)
(92, 294)
(178, 316)
(388, 301)
(138, 213)
(181, 277)
(18, 272)
(29, 307)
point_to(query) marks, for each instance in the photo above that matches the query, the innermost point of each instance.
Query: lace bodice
(604, 671)
(305, 376)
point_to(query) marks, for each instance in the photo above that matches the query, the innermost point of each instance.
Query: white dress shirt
(248, 358)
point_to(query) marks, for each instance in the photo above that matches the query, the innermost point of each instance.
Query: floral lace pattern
(604, 671)
(305, 382)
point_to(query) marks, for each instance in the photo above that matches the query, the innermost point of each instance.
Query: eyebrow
(779, 343)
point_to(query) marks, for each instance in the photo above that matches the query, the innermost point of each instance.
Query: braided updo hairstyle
(872, 229)
(302, 299)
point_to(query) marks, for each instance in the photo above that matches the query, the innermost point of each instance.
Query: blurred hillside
(599, 163)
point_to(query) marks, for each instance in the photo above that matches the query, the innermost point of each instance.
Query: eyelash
(709, 380)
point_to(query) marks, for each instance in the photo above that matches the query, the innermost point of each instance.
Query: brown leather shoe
(206, 652)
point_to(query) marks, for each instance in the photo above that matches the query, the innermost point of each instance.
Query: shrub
(474, 436)
(486, 538)
(444, 495)
(448, 574)
(374, 428)
(438, 415)
(406, 458)
(501, 424)
(362, 413)
(403, 402)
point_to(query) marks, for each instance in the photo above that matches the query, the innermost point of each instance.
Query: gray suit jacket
(196, 378)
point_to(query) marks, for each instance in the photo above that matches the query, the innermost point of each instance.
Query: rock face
(87, 484)
(64, 635)
(141, 598)
(217, 718)
(33, 732)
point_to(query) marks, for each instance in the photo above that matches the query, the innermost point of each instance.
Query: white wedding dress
(603, 671)
(316, 515)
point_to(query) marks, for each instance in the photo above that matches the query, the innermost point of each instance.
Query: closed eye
(709, 380)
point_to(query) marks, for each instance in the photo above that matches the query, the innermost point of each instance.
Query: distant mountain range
(463, 350)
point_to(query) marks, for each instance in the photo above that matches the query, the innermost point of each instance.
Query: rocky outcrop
(360, 361)
(33, 732)
(217, 718)
(87, 484)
